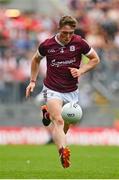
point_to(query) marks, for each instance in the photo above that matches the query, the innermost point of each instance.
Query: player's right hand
(30, 89)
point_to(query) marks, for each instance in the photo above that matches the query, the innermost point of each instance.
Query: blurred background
(24, 25)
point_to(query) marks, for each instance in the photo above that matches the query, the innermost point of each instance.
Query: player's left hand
(75, 72)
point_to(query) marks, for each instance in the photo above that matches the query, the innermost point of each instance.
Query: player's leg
(70, 97)
(41, 103)
(59, 137)
(54, 108)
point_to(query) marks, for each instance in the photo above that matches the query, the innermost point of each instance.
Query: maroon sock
(60, 150)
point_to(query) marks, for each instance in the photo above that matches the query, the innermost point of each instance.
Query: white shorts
(48, 94)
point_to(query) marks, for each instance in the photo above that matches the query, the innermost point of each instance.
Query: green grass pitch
(42, 162)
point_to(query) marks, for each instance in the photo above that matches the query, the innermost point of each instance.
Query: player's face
(65, 34)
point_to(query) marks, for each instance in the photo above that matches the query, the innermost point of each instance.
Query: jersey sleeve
(86, 48)
(42, 49)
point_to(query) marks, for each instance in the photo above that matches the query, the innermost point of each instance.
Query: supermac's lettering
(62, 63)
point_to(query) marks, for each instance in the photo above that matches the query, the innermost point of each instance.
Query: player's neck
(57, 38)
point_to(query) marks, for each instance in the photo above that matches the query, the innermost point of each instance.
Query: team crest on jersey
(72, 48)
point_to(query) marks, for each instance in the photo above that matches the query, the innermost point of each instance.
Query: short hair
(67, 20)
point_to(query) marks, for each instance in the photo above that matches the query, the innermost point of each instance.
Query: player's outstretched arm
(34, 73)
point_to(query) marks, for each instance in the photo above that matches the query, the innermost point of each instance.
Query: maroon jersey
(59, 58)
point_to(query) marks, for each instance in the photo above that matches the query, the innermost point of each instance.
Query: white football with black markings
(72, 113)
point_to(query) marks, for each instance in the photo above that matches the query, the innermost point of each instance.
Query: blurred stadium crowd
(98, 22)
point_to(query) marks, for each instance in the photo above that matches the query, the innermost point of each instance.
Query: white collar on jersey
(56, 39)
